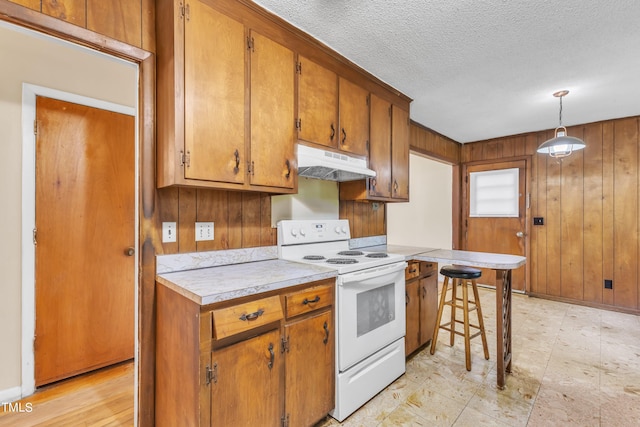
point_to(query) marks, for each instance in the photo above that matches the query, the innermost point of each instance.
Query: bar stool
(464, 276)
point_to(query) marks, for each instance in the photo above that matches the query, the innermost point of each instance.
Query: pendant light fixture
(561, 145)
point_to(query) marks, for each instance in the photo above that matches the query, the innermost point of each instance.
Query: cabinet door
(317, 103)
(354, 118)
(380, 147)
(245, 389)
(400, 153)
(310, 376)
(214, 85)
(428, 306)
(272, 114)
(411, 340)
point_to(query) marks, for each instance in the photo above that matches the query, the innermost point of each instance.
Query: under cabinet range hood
(327, 165)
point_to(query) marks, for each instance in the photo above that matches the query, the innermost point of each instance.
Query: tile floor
(572, 366)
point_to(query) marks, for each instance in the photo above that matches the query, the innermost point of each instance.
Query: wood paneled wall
(241, 219)
(366, 219)
(430, 143)
(129, 21)
(591, 208)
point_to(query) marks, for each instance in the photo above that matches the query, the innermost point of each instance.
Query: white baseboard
(10, 394)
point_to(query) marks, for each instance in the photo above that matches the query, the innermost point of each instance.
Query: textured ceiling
(479, 69)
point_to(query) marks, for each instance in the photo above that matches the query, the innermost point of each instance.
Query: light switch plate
(204, 231)
(169, 232)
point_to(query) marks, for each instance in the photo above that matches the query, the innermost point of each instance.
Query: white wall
(426, 220)
(26, 57)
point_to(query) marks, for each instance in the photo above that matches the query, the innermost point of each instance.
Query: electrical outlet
(204, 231)
(538, 220)
(608, 284)
(169, 232)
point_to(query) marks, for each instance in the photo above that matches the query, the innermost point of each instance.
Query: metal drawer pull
(412, 271)
(271, 356)
(326, 333)
(252, 316)
(312, 301)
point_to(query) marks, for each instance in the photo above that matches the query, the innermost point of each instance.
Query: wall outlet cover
(204, 231)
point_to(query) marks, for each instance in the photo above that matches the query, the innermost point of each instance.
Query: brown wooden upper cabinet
(332, 111)
(217, 126)
(388, 156)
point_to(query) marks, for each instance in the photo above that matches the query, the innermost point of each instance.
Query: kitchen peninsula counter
(222, 283)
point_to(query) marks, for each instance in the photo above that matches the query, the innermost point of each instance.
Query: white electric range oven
(370, 307)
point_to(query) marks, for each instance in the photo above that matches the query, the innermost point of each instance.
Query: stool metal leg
(439, 319)
(467, 333)
(480, 319)
(454, 302)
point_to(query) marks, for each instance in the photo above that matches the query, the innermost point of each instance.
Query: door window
(494, 193)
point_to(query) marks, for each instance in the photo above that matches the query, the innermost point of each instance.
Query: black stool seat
(460, 272)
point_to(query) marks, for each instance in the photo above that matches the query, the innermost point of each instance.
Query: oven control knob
(337, 230)
(302, 232)
(294, 232)
(344, 230)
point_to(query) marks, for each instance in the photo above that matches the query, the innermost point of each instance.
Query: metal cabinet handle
(520, 234)
(412, 270)
(237, 156)
(252, 316)
(333, 132)
(326, 333)
(129, 251)
(272, 356)
(288, 165)
(312, 301)
(406, 298)
(424, 292)
(344, 136)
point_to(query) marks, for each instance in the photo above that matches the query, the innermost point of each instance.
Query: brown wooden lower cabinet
(421, 303)
(264, 360)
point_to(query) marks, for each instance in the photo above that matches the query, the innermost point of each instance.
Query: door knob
(129, 251)
(520, 234)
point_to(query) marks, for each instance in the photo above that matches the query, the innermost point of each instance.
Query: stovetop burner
(342, 261)
(313, 257)
(351, 253)
(377, 255)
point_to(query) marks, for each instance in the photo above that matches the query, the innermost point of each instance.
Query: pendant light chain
(560, 114)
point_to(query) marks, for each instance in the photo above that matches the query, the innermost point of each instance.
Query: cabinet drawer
(412, 270)
(243, 317)
(427, 267)
(308, 300)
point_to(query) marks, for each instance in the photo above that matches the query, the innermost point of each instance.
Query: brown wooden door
(506, 235)
(412, 301)
(309, 369)
(85, 221)
(354, 118)
(272, 113)
(317, 103)
(380, 147)
(246, 391)
(214, 96)
(400, 153)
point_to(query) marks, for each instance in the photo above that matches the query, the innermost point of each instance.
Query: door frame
(464, 206)
(29, 94)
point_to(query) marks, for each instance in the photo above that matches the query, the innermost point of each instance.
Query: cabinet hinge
(185, 159)
(285, 420)
(285, 345)
(212, 374)
(299, 67)
(251, 44)
(184, 11)
(35, 127)
(298, 124)
(35, 237)
(251, 168)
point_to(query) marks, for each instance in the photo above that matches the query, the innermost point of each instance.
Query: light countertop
(216, 284)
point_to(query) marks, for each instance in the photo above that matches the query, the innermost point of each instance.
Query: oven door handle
(371, 273)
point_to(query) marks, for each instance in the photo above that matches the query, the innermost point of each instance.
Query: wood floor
(101, 398)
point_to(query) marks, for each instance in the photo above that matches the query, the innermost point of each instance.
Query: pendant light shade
(561, 145)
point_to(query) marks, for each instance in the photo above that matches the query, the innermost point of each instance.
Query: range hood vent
(327, 165)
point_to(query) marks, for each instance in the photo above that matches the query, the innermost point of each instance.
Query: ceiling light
(561, 145)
